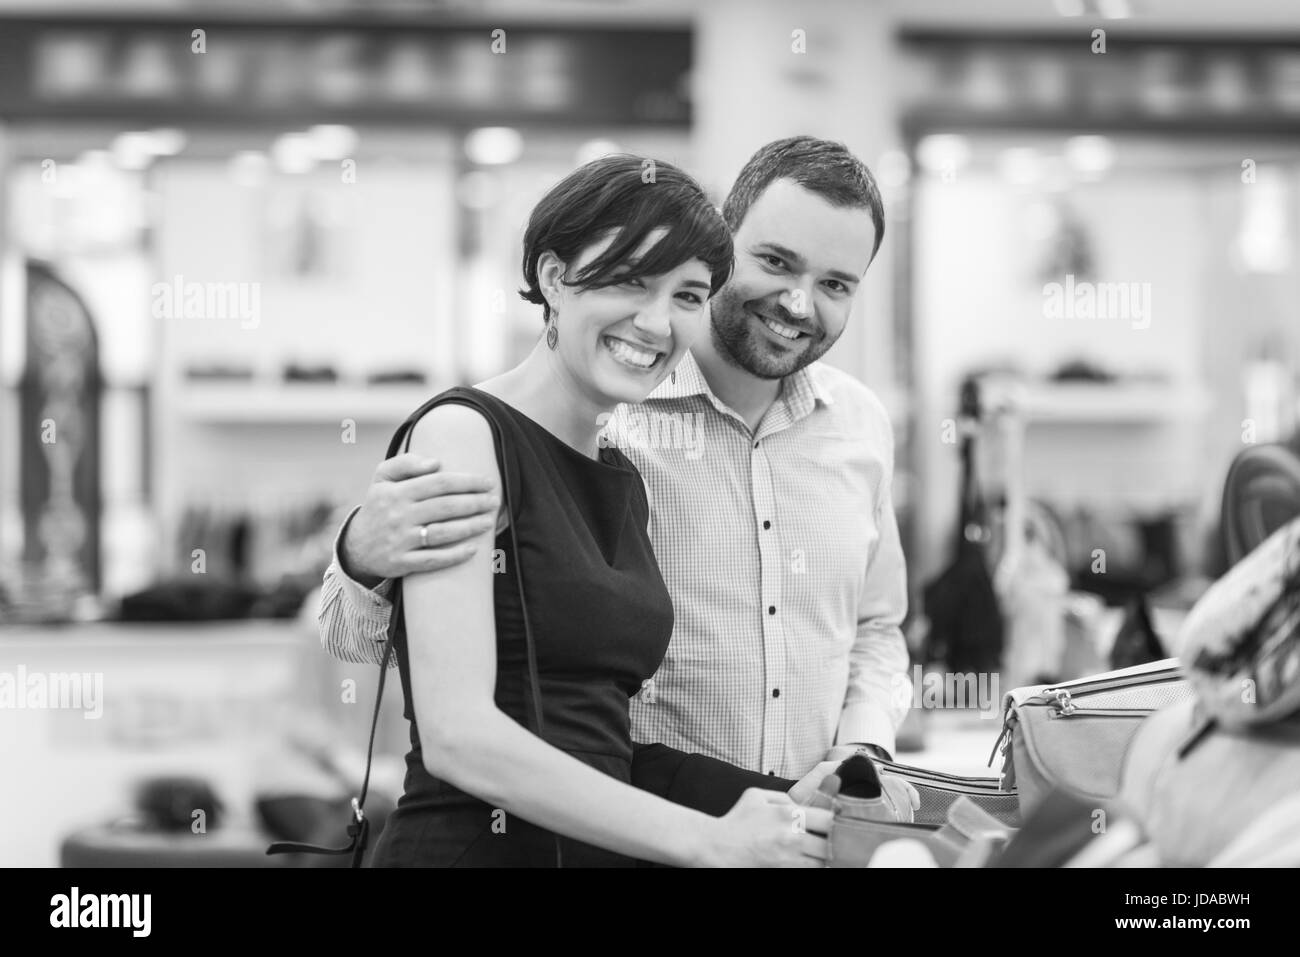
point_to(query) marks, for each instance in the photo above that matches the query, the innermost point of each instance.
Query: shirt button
(767, 524)
(771, 609)
(755, 445)
(771, 774)
(776, 692)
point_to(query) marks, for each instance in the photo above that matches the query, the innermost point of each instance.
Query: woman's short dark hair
(634, 196)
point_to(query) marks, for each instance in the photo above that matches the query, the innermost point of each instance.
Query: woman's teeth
(785, 332)
(631, 355)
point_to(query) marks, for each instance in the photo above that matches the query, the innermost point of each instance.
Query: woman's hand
(767, 829)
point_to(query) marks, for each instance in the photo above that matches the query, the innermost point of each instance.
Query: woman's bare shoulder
(458, 436)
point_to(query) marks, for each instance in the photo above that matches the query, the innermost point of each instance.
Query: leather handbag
(939, 792)
(1073, 736)
(1220, 751)
(853, 843)
(862, 823)
(358, 829)
(861, 818)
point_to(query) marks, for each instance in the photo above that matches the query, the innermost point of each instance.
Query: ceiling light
(166, 141)
(293, 153)
(595, 149)
(943, 153)
(333, 142)
(1090, 155)
(494, 145)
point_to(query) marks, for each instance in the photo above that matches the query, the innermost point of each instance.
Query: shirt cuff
(359, 594)
(875, 750)
(865, 723)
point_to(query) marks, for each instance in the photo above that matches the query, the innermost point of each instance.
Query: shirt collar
(686, 380)
(800, 391)
(803, 390)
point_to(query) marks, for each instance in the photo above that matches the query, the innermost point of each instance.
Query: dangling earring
(674, 377)
(552, 334)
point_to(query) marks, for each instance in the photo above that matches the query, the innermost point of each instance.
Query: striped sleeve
(353, 619)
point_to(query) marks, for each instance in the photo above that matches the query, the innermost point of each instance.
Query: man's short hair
(824, 167)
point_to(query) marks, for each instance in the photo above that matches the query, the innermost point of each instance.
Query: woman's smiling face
(618, 342)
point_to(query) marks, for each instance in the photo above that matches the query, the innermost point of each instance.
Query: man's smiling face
(799, 261)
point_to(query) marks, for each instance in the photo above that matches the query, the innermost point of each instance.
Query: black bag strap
(358, 829)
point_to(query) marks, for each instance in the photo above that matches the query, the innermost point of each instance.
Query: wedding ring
(424, 536)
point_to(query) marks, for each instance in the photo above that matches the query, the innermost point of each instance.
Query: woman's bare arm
(468, 741)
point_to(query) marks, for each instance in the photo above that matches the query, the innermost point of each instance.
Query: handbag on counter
(862, 822)
(358, 829)
(1073, 736)
(861, 817)
(1065, 741)
(939, 791)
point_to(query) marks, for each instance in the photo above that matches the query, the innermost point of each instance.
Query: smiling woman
(516, 679)
(618, 339)
(618, 202)
(622, 256)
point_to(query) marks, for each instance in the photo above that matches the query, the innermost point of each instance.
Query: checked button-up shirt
(781, 553)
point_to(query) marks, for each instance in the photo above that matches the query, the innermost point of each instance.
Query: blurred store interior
(353, 178)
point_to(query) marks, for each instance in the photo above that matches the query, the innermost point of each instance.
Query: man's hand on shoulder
(409, 492)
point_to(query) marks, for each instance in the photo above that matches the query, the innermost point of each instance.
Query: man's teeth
(785, 332)
(630, 354)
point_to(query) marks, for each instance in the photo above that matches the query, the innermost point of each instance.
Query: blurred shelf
(292, 403)
(54, 638)
(1274, 124)
(1100, 403)
(1114, 404)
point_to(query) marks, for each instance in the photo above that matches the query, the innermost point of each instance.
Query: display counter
(89, 710)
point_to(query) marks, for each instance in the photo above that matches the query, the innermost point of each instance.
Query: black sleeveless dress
(601, 619)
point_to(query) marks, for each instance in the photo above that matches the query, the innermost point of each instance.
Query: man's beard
(739, 340)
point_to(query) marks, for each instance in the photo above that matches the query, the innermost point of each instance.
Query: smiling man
(774, 529)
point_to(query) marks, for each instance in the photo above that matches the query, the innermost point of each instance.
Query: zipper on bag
(1107, 684)
(938, 778)
(1061, 700)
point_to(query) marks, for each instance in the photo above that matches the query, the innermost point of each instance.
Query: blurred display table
(123, 702)
(127, 846)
